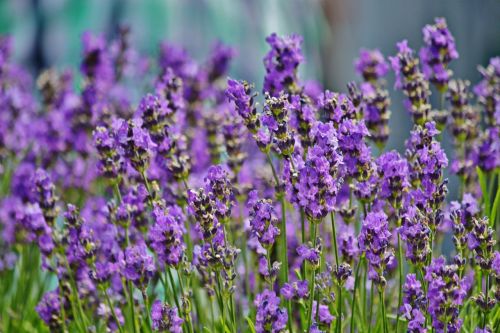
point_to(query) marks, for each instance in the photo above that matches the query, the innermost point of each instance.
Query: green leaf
(496, 207)
(484, 189)
(251, 326)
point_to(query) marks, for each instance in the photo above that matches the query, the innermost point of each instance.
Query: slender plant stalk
(371, 309)
(384, 314)
(400, 292)
(314, 227)
(486, 292)
(353, 303)
(188, 315)
(336, 252)
(284, 246)
(111, 307)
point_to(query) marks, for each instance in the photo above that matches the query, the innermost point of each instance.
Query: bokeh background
(47, 33)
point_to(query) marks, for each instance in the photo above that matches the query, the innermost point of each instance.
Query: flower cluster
(371, 65)
(374, 240)
(438, 52)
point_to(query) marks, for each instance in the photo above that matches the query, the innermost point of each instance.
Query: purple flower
(96, 63)
(166, 234)
(170, 87)
(347, 242)
(481, 242)
(374, 240)
(46, 195)
(324, 316)
(355, 151)
(136, 143)
(438, 52)
(446, 293)
(270, 318)
(220, 190)
(276, 118)
(154, 112)
(138, 265)
(165, 318)
(488, 91)
(414, 304)
(33, 221)
(234, 133)
(295, 290)
(489, 149)
(263, 220)
(103, 311)
(376, 111)
(310, 253)
(203, 208)
(240, 93)
(393, 172)
(416, 232)
(218, 63)
(337, 107)
(281, 63)
(49, 309)
(80, 240)
(412, 82)
(303, 113)
(317, 182)
(110, 164)
(495, 264)
(371, 65)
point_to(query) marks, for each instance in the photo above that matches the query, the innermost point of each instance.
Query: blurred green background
(47, 33)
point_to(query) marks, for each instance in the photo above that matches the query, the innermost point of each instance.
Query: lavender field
(160, 193)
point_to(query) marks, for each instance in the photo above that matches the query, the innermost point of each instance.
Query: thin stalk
(339, 310)
(334, 236)
(284, 256)
(275, 174)
(353, 304)
(314, 226)
(174, 290)
(187, 315)
(221, 303)
(135, 324)
(339, 300)
(384, 315)
(400, 293)
(486, 292)
(212, 313)
(76, 296)
(113, 313)
(63, 312)
(371, 309)
(145, 298)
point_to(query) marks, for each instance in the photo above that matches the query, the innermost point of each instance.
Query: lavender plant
(202, 207)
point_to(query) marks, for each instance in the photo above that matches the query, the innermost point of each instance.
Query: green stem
(284, 256)
(400, 294)
(339, 300)
(384, 315)
(486, 292)
(339, 310)
(314, 226)
(135, 324)
(145, 298)
(370, 316)
(353, 303)
(334, 236)
(115, 317)
(187, 314)
(174, 290)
